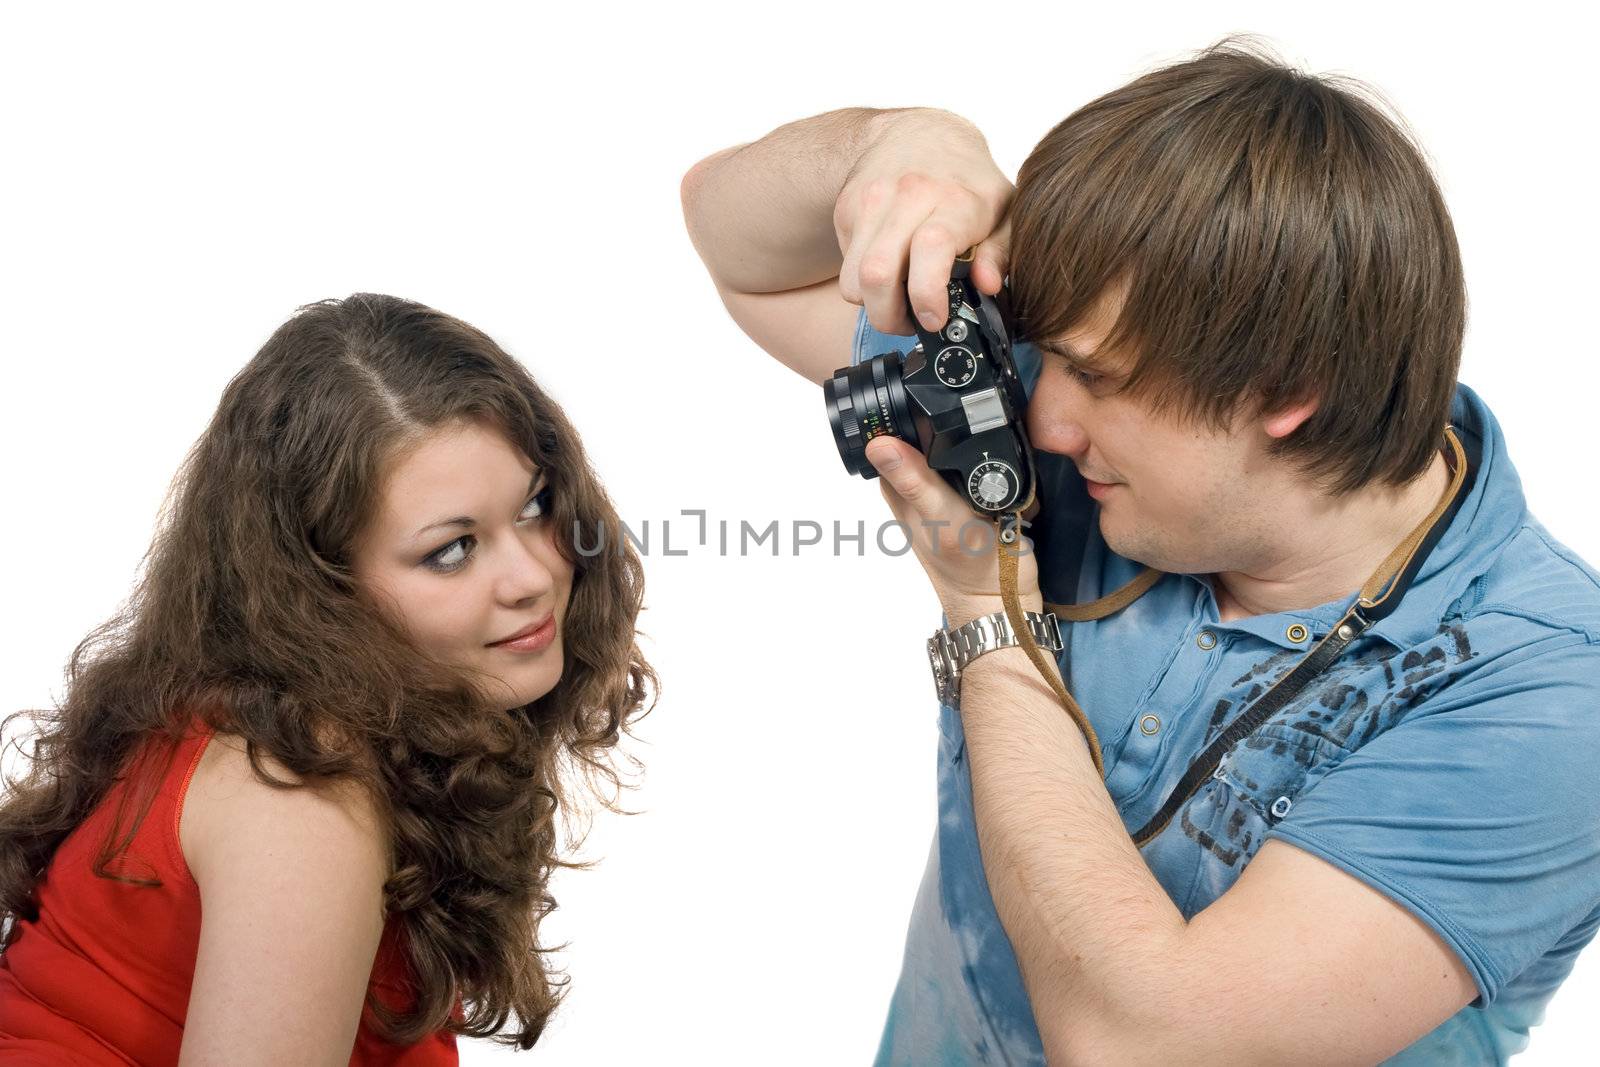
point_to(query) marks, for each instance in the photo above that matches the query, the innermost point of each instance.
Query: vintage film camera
(956, 397)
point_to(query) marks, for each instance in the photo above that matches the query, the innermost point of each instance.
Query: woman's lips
(1098, 490)
(532, 639)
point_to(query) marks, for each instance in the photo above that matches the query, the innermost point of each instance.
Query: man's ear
(1285, 421)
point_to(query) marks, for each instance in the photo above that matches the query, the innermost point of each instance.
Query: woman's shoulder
(291, 887)
(226, 804)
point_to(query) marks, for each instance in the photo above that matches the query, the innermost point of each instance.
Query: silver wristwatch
(949, 651)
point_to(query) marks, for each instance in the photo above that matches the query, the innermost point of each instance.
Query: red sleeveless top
(103, 976)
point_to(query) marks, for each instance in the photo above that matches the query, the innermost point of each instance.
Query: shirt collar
(1493, 511)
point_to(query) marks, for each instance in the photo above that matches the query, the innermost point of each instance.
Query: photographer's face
(1173, 495)
(462, 553)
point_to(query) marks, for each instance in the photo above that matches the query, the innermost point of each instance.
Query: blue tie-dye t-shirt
(1446, 759)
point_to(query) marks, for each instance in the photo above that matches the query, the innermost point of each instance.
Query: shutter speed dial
(955, 366)
(993, 485)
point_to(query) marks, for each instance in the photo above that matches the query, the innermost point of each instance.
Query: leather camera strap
(1379, 596)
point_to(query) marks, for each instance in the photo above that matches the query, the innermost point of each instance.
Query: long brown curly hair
(246, 617)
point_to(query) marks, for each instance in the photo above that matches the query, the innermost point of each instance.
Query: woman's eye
(452, 556)
(537, 507)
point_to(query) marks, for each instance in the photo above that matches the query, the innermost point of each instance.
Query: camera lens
(865, 401)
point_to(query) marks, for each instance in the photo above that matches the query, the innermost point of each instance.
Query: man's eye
(451, 557)
(1084, 378)
(537, 506)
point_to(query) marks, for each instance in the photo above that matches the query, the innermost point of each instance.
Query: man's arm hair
(761, 216)
(852, 207)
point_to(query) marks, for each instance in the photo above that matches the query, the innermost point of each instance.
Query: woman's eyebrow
(467, 522)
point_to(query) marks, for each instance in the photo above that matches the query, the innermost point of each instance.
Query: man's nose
(1052, 422)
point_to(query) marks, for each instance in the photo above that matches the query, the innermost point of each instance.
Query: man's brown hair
(1281, 238)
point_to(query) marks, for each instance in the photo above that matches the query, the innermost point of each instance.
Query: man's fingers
(933, 251)
(992, 258)
(857, 217)
(899, 238)
(883, 264)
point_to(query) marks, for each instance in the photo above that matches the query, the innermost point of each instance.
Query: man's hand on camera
(955, 544)
(926, 190)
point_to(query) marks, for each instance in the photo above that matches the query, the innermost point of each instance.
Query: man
(1244, 307)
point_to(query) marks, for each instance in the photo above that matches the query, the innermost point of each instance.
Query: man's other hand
(922, 193)
(955, 544)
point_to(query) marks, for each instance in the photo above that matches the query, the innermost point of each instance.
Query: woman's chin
(515, 692)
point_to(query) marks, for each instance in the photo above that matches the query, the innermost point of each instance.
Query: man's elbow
(693, 182)
(693, 178)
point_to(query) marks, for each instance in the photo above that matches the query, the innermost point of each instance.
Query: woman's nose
(528, 573)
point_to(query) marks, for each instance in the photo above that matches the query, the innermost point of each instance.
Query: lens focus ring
(865, 401)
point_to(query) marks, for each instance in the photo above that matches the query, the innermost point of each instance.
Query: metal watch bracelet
(949, 651)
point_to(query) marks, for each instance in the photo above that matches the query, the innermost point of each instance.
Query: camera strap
(1378, 597)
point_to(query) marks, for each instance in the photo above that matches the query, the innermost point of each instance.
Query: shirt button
(1149, 724)
(1297, 633)
(1206, 640)
(1280, 807)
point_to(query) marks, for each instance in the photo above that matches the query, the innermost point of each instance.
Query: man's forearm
(761, 214)
(1095, 934)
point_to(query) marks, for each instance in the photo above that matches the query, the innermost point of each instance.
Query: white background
(180, 179)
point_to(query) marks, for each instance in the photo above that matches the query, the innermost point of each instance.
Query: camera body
(955, 396)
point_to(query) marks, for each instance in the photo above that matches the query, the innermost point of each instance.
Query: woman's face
(460, 550)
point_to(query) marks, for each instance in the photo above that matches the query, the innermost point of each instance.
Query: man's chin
(1132, 547)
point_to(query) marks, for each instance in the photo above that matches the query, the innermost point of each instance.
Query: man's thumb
(904, 478)
(884, 457)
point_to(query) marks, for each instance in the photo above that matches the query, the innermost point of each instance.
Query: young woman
(303, 793)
